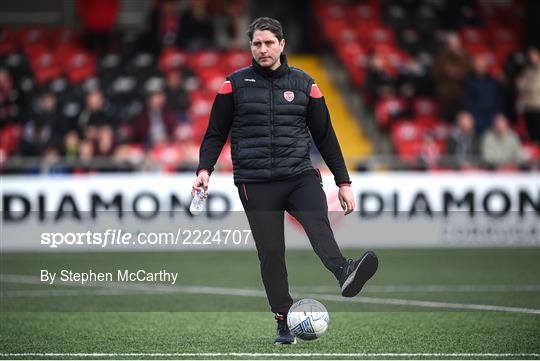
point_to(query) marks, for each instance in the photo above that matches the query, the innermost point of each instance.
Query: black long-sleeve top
(318, 121)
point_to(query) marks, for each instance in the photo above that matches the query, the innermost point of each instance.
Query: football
(308, 319)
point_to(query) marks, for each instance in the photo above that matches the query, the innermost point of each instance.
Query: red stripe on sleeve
(315, 92)
(226, 88)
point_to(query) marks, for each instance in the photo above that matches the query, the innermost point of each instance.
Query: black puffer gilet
(270, 139)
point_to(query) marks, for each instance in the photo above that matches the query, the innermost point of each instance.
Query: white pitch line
(271, 354)
(7, 278)
(431, 288)
(425, 304)
(259, 293)
(63, 293)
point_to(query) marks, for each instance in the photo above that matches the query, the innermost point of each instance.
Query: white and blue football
(308, 319)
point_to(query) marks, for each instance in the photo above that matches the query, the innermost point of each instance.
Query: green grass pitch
(422, 303)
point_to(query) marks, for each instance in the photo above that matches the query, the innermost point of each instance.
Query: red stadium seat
(406, 131)
(206, 59)
(373, 35)
(45, 68)
(236, 59)
(35, 51)
(10, 137)
(64, 52)
(365, 12)
(476, 48)
(393, 58)
(33, 35)
(333, 28)
(80, 66)
(472, 35)
(212, 80)
(358, 76)
(346, 36)
(333, 11)
(424, 107)
(8, 41)
(530, 151)
(387, 109)
(408, 151)
(168, 155)
(407, 137)
(200, 106)
(65, 37)
(172, 59)
(352, 55)
(503, 35)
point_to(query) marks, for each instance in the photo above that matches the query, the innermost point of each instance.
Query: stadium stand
(409, 66)
(84, 111)
(63, 100)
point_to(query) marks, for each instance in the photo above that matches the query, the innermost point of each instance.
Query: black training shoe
(355, 274)
(284, 335)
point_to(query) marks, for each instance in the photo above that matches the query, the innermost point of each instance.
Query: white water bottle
(198, 203)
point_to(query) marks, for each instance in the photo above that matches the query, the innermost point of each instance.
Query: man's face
(501, 124)
(266, 48)
(465, 122)
(481, 64)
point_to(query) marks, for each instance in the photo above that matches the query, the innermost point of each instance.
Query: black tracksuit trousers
(303, 197)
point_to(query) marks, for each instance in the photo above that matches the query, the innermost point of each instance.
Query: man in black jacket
(273, 111)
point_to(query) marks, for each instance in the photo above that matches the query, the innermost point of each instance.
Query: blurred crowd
(454, 84)
(103, 100)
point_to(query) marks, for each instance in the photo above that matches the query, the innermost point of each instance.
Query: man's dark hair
(269, 24)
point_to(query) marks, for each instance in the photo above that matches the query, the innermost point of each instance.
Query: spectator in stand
(481, 94)
(196, 27)
(177, 97)
(450, 67)
(98, 18)
(71, 145)
(529, 93)
(105, 142)
(155, 125)
(379, 82)
(86, 157)
(86, 151)
(462, 143)
(501, 145)
(8, 95)
(98, 112)
(44, 128)
(429, 153)
(164, 26)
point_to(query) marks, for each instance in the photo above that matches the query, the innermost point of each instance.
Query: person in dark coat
(274, 112)
(155, 124)
(481, 95)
